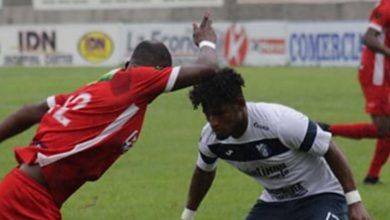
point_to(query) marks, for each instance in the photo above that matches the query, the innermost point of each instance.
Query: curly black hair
(223, 88)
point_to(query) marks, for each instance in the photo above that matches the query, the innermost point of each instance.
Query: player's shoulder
(273, 114)
(265, 109)
(383, 5)
(387, 6)
(140, 68)
(207, 135)
(148, 69)
(110, 74)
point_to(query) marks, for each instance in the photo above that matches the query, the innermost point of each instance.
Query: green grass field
(150, 181)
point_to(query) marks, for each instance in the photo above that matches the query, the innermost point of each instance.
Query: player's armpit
(33, 113)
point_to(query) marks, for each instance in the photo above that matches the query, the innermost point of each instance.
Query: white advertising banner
(250, 43)
(61, 45)
(176, 36)
(325, 43)
(255, 43)
(246, 43)
(120, 4)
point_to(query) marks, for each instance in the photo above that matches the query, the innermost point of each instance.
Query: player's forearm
(21, 120)
(200, 184)
(208, 57)
(371, 40)
(12, 125)
(339, 166)
(378, 47)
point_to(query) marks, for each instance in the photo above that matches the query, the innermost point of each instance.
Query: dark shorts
(327, 206)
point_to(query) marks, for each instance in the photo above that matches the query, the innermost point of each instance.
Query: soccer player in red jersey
(374, 77)
(82, 133)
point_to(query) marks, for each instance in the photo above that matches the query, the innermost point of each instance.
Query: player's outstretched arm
(339, 165)
(206, 64)
(371, 40)
(22, 119)
(205, 38)
(200, 184)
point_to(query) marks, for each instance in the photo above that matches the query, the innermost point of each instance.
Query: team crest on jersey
(263, 149)
(130, 141)
(229, 152)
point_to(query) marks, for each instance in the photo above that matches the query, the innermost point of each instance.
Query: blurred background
(302, 53)
(251, 32)
(131, 11)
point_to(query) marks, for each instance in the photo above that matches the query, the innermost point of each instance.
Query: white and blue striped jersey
(281, 148)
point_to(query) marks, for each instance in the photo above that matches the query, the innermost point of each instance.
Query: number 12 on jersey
(72, 103)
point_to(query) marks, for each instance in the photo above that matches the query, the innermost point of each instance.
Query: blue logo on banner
(325, 47)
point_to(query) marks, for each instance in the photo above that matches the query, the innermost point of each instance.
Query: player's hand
(204, 31)
(357, 211)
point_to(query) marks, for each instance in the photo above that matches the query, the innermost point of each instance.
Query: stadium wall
(23, 12)
(250, 43)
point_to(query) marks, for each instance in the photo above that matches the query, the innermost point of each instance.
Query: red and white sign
(254, 43)
(272, 46)
(236, 45)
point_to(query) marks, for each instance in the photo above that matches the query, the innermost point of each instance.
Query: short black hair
(224, 88)
(151, 53)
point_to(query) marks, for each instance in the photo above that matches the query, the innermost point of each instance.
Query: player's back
(85, 131)
(86, 112)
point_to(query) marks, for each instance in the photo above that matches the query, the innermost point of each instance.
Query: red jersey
(375, 66)
(85, 131)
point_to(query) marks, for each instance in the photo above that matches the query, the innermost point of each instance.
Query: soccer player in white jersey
(303, 172)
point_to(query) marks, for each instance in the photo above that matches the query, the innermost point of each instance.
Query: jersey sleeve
(207, 160)
(380, 17)
(58, 99)
(150, 82)
(298, 132)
